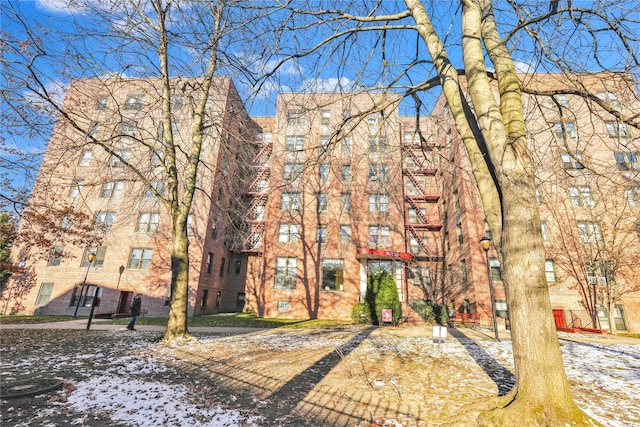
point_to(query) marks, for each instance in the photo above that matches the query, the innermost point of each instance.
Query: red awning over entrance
(372, 253)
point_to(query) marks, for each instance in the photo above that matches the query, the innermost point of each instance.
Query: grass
(242, 320)
(6, 319)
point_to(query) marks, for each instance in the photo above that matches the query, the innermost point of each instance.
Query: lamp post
(485, 242)
(90, 257)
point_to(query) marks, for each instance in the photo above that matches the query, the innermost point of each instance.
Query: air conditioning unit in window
(599, 280)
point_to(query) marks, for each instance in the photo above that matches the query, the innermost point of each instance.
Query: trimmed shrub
(382, 291)
(424, 310)
(361, 314)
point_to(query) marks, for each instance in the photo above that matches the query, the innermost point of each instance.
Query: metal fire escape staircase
(414, 200)
(253, 242)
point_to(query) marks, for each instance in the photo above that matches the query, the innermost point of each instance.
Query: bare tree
(492, 130)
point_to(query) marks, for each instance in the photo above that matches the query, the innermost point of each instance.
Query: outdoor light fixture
(485, 242)
(91, 257)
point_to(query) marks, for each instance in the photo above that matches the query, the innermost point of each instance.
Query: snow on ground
(613, 370)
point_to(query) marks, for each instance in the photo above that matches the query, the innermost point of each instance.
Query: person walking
(134, 311)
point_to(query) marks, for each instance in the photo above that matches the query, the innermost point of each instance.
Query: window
(240, 299)
(294, 143)
(112, 190)
(129, 128)
(632, 194)
(610, 97)
(459, 235)
(550, 270)
(156, 158)
(134, 102)
(205, 296)
(323, 172)
(292, 172)
(290, 201)
(378, 203)
(140, 258)
(209, 262)
(119, 158)
(105, 219)
(544, 231)
(463, 272)
(346, 114)
(569, 128)
(332, 274)
(372, 119)
(85, 158)
(581, 196)
(102, 102)
(285, 273)
(56, 256)
(321, 234)
(176, 103)
(638, 229)
(590, 232)
(377, 144)
(322, 202)
(539, 196)
(148, 222)
(222, 267)
(617, 129)
(44, 294)
(325, 144)
(284, 305)
(378, 173)
(345, 202)
(562, 99)
(238, 266)
(296, 117)
(99, 253)
(326, 117)
(345, 233)
(346, 173)
(158, 186)
(572, 161)
(496, 273)
(346, 146)
(76, 188)
(415, 247)
(626, 161)
(379, 235)
(83, 296)
(415, 216)
(288, 233)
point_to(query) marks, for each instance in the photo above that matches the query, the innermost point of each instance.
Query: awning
(372, 253)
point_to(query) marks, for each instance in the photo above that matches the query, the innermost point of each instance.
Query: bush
(361, 314)
(382, 293)
(424, 310)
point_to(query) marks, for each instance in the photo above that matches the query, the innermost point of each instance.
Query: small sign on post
(439, 334)
(387, 315)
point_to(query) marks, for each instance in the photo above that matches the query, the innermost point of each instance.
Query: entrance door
(123, 301)
(558, 316)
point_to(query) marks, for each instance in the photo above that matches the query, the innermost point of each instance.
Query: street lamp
(90, 257)
(485, 242)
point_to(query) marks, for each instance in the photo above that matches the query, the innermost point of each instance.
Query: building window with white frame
(378, 173)
(296, 117)
(379, 236)
(562, 99)
(609, 97)
(346, 146)
(346, 173)
(102, 103)
(332, 274)
(119, 158)
(105, 219)
(323, 172)
(290, 201)
(134, 102)
(617, 129)
(283, 306)
(321, 233)
(326, 117)
(581, 196)
(56, 256)
(76, 188)
(286, 271)
(158, 186)
(562, 128)
(322, 202)
(112, 190)
(572, 161)
(44, 294)
(85, 158)
(345, 202)
(345, 234)
(550, 271)
(377, 144)
(590, 232)
(544, 231)
(288, 233)
(140, 258)
(292, 173)
(632, 194)
(496, 272)
(129, 128)
(378, 203)
(626, 161)
(148, 222)
(294, 143)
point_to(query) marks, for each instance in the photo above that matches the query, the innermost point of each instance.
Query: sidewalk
(400, 331)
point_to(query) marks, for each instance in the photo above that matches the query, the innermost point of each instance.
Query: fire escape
(420, 198)
(257, 192)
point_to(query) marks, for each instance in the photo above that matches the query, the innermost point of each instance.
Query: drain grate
(30, 387)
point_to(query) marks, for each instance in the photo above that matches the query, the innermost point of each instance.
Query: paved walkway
(404, 331)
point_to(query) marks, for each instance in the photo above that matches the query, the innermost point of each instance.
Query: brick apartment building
(342, 185)
(132, 253)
